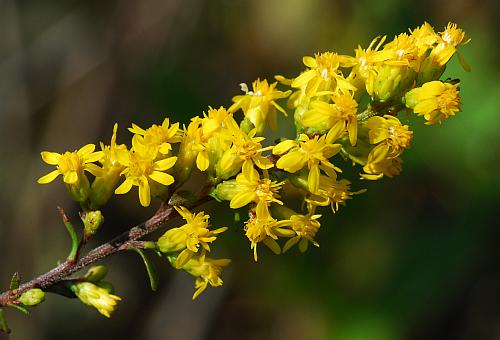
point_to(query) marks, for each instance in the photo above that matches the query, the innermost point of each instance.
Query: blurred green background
(416, 257)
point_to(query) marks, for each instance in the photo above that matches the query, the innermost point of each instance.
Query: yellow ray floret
(141, 167)
(71, 165)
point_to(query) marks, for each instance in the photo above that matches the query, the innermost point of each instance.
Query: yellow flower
(435, 101)
(389, 131)
(305, 228)
(365, 64)
(313, 153)
(404, 51)
(424, 37)
(324, 116)
(161, 136)
(207, 271)
(141, 167)
(378, 165)
(71, 165)
(259, 105)
(96, 297)
(189, 237)
(105, 184)
(332, 192)
(245, 148)
(214, 121)
(262, 227)
(448, 41)
(251, 188)
(323, 75)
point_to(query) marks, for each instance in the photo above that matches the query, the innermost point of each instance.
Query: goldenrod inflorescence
(345, 111)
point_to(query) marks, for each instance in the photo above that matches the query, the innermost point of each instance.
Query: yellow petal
(273, 245)
(94, 169)
(70, 177)
(124, 187)
(262, 162)
(202, 161)
(291, 162)
(161, 177)
(85, 150)
(290, 243)
(284, 146)
(313, 179)
(165, 164)
(51, 158)
(49, 177)
(241, 199)
(303, 79)
(144, 193)
(93, 157)
(309, 62)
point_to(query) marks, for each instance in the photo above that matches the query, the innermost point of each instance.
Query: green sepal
(3, 323)
(20, 308)
(15, 281)
(150, 268)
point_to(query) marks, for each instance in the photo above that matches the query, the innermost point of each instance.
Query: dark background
(416, 257)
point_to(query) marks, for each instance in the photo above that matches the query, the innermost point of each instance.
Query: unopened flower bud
(96, 273)
(92, 220)
(32, 297)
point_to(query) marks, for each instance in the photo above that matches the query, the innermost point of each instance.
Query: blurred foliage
(413, 258)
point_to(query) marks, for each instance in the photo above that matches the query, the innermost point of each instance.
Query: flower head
(435, 100)
(97, 297)
(71, 165)
(325, 116)
(305, 228)
(141, 167)
(207, 271)
(160, 136)
(190, 238)
(251, 188)
(259, 105)
(262, 227)
(389, 131)
(311, 152)
(323, 75)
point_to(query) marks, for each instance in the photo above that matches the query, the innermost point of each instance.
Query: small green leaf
(20, 308)
(3, 323)
(15, 281)
(153, 275)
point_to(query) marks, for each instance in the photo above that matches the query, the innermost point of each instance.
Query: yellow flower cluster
(344, 107)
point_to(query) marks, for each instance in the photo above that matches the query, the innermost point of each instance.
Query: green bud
(185, 162)
(392, 82)
(80, 190)
(32, 297)
(92, 220)
(96, 273)
(429, 71)
(225, 191)
(173, 240)
(104, 187)
(246, 125)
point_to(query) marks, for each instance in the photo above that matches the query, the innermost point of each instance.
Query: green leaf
(15, 281)
(153, 275)
(3, 323)
(20, 308)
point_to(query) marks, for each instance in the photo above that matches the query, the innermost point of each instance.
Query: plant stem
(122, 242)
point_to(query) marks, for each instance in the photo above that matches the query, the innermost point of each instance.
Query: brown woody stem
(123, 241)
